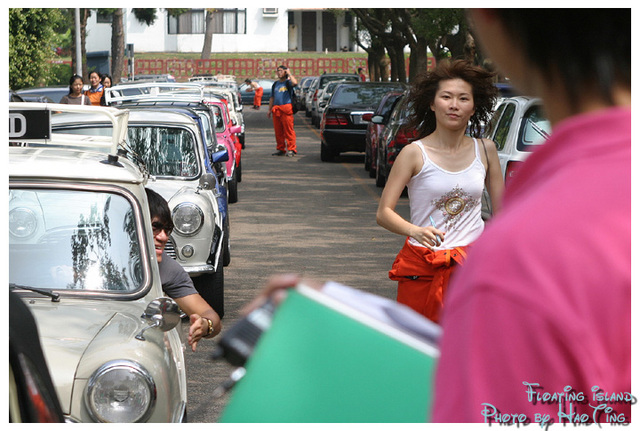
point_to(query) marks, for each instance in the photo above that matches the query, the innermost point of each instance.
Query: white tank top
(452, 199)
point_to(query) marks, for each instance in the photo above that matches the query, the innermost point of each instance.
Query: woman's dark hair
(158, 207)
(585, 47)
(105, 76)
(425, 87)
(72, 80)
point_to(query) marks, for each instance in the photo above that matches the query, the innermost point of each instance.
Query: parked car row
(81, 238)
(82, 259)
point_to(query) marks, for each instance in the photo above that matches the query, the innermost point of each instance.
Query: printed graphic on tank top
(451, 199)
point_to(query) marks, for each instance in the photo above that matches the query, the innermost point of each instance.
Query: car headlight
(120, 391)
(22, 222)
(187, 218)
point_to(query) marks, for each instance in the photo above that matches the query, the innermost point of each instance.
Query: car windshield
(217, 118)
(535, 129)
(360, 95)
(73, 239)
(327, 79)
(166, 151)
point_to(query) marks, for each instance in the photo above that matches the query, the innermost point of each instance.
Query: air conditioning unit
(270, 11)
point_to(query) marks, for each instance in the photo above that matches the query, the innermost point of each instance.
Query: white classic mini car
(169, 143)
(81, 256)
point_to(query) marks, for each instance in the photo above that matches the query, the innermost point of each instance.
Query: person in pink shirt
(537, 325)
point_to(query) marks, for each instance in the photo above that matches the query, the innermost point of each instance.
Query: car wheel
(233, 190)
(239, 171)
(380, 179)
(211, 288)
(367, 159)
(326, 155)
(226, 245)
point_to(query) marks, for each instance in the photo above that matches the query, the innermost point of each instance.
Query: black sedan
(342, 128)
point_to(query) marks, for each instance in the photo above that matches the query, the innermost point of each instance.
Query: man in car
(280, 105)
(203, 320)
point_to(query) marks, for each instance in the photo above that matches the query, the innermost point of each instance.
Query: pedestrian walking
(258, 91)
(445, 173)
(75, 95)
(543, 304)
(281, 108)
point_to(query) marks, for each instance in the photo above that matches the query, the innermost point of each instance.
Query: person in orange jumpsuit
(282, 110)
(258, 91)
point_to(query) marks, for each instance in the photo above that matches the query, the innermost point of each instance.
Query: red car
(377, 123)
(227, 134)
(393, 139)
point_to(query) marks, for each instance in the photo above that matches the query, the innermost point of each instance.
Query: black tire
(233, 190)
(380, 179)
(211, 288)
(326, 155)
(226, 245)
(239, 171)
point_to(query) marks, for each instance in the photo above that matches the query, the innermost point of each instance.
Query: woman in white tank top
(445, 173)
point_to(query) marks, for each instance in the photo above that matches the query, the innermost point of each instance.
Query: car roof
(33, 124)
(34, 163)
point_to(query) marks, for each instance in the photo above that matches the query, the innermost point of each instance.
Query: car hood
(68, 328)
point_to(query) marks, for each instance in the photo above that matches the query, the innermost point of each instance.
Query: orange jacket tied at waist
(423, 276)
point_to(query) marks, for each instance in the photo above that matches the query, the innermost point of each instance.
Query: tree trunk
(418, 60)
(117, 46)
(208, 36)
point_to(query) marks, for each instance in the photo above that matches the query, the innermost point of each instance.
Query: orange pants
(257, 97)
(283, 126)
(423, 277)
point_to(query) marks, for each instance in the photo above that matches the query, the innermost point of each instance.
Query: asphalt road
(294, 215)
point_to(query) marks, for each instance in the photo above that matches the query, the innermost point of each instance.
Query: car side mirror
(220, 156)
(161, 313)
(207, 181)
(235, 129)
(376, 119)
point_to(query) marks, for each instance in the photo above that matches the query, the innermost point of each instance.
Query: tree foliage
(443, 31)
(31, 45)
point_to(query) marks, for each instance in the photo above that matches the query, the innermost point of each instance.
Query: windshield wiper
(55, 297)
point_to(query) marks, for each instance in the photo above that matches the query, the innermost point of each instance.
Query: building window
(225, 21)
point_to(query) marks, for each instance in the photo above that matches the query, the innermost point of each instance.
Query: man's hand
(198, 328)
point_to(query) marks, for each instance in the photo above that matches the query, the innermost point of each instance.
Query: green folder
(323, 361)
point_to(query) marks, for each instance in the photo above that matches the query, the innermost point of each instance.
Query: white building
(236, 31)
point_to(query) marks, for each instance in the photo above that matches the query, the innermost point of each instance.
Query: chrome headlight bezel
(23, 222)
(132, 370)
(188, 218)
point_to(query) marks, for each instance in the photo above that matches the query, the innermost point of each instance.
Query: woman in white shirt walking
(445, 172)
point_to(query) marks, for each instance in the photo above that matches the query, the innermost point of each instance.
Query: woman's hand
(429, 236)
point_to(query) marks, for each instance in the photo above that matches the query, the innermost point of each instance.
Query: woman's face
(76, 87)
(453, 103)
(94, 78)
(106, 82)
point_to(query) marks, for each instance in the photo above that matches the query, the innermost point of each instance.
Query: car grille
(170, 248)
